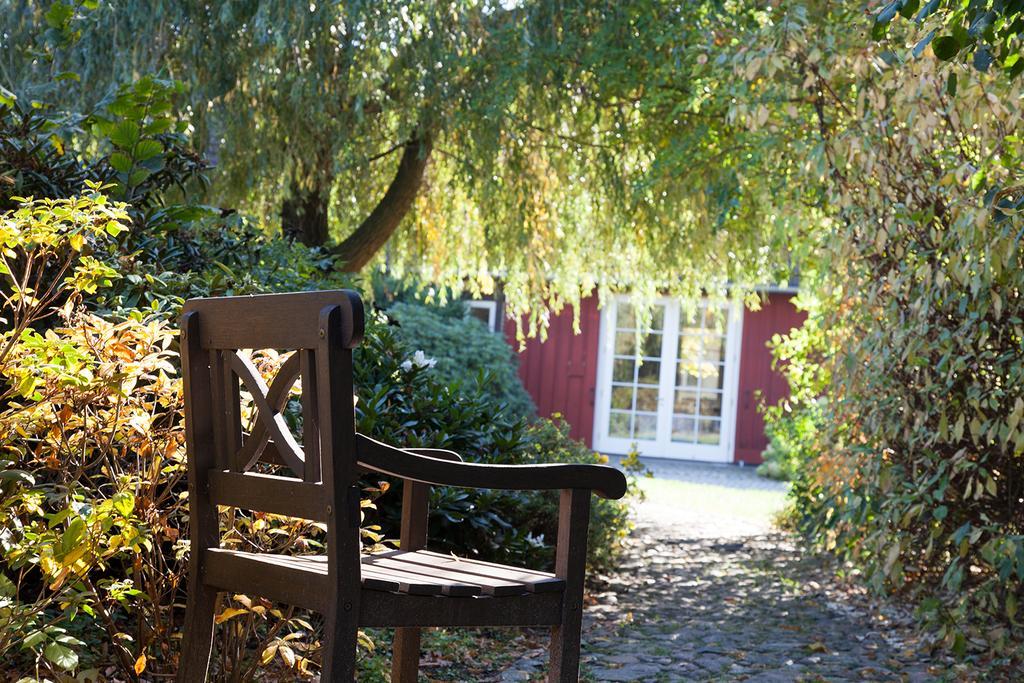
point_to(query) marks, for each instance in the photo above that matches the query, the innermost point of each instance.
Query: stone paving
(712, 596)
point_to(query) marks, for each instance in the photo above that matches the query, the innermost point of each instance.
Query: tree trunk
(304, 216)
(374, 232)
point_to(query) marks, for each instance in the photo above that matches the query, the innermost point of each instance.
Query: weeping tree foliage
(984, 33)
(908, 370)
(561, 148)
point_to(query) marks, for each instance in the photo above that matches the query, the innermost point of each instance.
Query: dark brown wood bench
(409, 588)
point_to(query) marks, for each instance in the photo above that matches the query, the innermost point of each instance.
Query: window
(485, 311)
(669, 388)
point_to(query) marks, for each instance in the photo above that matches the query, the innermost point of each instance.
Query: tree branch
(358, 248)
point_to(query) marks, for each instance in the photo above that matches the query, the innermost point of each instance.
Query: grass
(713, 499)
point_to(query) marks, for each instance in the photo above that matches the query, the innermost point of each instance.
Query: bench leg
(200, 612)
(405, 655)
(570, 562)
(339, 654)
(564, 662)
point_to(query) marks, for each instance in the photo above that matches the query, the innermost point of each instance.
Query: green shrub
(913, 355)
(792, 426)
(465, 351)
(91, 437)
(548, 441)
(404, 400)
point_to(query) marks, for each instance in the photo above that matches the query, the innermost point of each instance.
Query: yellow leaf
(140, 663)
(287, 654)
(75, 554)
(268, 653)
(229, 613)
(77, 242)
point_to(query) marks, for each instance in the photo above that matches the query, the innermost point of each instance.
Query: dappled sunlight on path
(709, 590)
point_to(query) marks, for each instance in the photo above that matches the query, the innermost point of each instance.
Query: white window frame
(489, 305)
(662, 446)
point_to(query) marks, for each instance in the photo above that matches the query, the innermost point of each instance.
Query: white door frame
(662, 446)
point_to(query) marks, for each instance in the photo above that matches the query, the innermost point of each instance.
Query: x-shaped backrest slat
(269, 403)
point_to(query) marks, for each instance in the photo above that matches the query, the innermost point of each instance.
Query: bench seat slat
(302, 579)
(494, 579)
(299, 581)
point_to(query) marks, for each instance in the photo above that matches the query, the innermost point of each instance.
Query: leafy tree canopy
(985, 33)
(557, 148)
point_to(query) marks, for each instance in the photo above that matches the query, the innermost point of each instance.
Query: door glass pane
(684, 429)
(686, 402)
(711, 404)
(622, 370)
(690, 346)
(618, 424)
(625, 343)
(687, 374)
(646, 427)
(714, 318)
(625, 319)
(622, 398)
(647, 400)
(712, 376)
(658, 317)
(714, 348)
(649, 372)
(652, 345)
(710, 431)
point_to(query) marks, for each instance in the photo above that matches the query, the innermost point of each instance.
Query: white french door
(670, 389)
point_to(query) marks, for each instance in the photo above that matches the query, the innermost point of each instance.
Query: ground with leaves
(711, 591)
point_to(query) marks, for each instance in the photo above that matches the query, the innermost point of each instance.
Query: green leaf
(7, 98)
(59, 15)
(33, 639)
(18, 475)
(124, 502)
(7, 587)
(121, 162)
(62, 656)
(940, 512)
(147, 149)
(72, 535)
(909, 7)
(138, 175)
(27, 386)
(946, 48)
(125, 135)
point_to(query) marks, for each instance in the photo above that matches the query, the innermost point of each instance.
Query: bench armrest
(377, 456)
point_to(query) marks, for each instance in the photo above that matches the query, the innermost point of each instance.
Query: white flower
(420, 360)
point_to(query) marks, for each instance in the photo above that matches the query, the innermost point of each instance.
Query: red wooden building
(688, 389)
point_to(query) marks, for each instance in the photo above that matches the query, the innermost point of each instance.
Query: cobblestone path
(705, 594)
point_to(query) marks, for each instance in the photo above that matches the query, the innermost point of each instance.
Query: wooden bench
(407, 588)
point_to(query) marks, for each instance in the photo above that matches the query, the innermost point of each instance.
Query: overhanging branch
(373, 233)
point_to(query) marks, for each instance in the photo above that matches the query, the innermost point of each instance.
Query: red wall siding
(777, 316)
(561, 373)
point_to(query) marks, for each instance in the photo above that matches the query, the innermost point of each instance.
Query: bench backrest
(321, 328)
